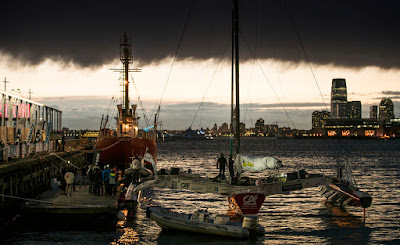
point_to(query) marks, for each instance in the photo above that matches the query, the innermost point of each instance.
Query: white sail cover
(149, 158)
(256, 164)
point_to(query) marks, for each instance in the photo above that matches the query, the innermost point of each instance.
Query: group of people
(221, 163)
(102, 181)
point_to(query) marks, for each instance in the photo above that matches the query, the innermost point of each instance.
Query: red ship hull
(118, 151)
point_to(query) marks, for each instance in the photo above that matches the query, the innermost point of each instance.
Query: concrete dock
(82, 209)
(25, 178)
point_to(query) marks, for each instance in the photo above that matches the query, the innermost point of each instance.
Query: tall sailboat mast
(126, 59)
(235, 42)
(232, 131)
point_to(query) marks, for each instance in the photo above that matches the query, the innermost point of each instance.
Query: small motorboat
(202, 222)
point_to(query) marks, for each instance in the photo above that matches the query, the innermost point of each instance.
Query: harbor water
(299, 217)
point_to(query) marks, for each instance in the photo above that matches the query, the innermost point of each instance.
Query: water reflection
(344, 226)
(166, 236)
(129, 236)
(296, 218)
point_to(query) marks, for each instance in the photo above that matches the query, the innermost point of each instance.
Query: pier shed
(27, 126)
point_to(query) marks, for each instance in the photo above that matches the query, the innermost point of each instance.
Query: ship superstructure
(127, 141)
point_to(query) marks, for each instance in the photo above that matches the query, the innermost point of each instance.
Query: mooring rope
(25, 199)
(69, 162)
(47, 202)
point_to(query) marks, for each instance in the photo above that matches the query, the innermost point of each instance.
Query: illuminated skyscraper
(319, 119)
(339, 99)
(386, 109)
(354, 109)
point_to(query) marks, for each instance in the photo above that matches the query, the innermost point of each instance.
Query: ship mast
(235, 43)
(126, 59)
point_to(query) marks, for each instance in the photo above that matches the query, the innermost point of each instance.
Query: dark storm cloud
(287, 105)
(391, 93)
(394, 95)
(346, 33)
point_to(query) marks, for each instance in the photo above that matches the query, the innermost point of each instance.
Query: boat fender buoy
(120, 215)
(148, 212)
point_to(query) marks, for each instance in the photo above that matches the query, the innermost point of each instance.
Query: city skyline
(66, 62)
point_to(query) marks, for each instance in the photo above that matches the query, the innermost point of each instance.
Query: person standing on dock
(97, 181)
(113, 182)
(84, 170)
(221, 165)
(69, 179)
(90, 174)
(106, 178)
(230, 167)
(135, 166)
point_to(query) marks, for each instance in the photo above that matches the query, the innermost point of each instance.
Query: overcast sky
(63, 51)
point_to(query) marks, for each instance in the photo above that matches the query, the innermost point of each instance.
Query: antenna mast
(126, 59)
(5, 83)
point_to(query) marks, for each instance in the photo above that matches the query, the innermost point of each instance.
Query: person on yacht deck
(221, 165)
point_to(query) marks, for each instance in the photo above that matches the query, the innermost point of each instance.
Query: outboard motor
(121, 215)
(250, 222)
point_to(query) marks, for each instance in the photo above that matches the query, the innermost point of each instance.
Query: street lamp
(18, 91)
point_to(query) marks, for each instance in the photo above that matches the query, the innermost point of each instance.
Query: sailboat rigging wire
(175, 56)
(312, 71)
(304, 50)
(111, 108)
(141, 104)
(212, 78)
(249, 109)
(269, 83)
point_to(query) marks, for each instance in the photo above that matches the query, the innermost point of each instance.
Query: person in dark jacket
(106, 179)
(84, 170)
(221, 165)
(91, 173)
(230, 167)
(97, 181)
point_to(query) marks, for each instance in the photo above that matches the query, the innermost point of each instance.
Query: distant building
(354, 109)
(319, 119)
(373, 112)
(386, 110)
(223, 129)
(214, 130)
(242, 128)
(259, 127)
(339, 99)
(351, 127)
(271, 129)
(285, 132)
